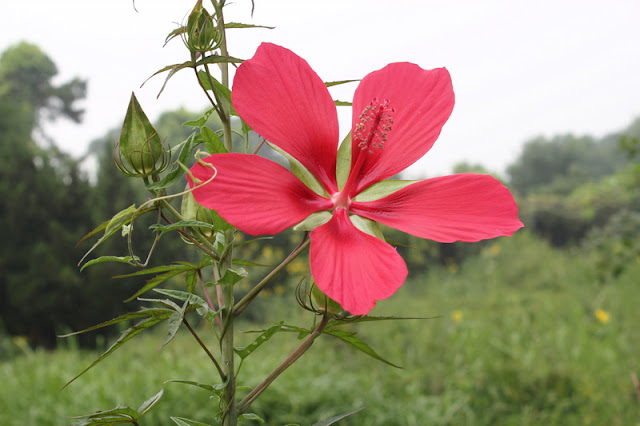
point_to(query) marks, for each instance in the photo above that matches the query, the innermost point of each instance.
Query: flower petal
(254, 194)
(278, 94)
(463, 207)
(422, 101)
(354, 268)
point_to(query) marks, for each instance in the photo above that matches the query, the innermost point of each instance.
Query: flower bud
(191, 210)
(139, 145)
(325, 302)
(201, 34)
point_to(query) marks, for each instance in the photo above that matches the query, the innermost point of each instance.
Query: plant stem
(224, 70)
(242, 304)
(253, 395)
(229, 409)
(204, 347)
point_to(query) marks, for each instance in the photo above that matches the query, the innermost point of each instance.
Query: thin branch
(223, 376)
(242, 304)
(295, 355)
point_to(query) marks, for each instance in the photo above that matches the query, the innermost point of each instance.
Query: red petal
(462, 207)
(422, 101)
(278, 94)
(254, 194)
(354, 268)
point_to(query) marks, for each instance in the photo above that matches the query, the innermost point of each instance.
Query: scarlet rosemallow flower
(398, 112)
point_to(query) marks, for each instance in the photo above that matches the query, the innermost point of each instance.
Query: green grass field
(517, 341)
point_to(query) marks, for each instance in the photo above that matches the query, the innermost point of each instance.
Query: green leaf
(343, 163)
(266, 335)
(181, 421)
(180, 224)
(337, 83)
(251, 416)
(214, 389)
(334, 419)
(353, 340)
(342, 103)
(239, 25)
(152, 317)
(351, 320)
(200, 121)
(157, 269)
(212, 141)
(157, 280)
(102, 259)
(150, 403)
(173, 69)
(237, 261)
(382, 189)
(177, 172)
(302, 172)
(174, 33)
(232, 276)
(173, 325)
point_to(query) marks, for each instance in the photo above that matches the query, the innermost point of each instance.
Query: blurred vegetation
(524, 335)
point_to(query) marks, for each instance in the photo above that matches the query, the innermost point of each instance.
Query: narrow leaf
(251, 416)
(181, 224)
(157, 316)
(232, 276)
(239, 25)
(339, 82)
(266, 335)
(212, 141)
(155, 270)
(102, 259)
(213, 389)
(155, 281)
(181, 421)
(353, 340)
(150, 403)
(332, 420)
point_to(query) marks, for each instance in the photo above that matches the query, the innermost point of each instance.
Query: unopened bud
(325, 303)
(201, 33)
(139, 145)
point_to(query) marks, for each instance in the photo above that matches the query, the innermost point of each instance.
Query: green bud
(191, 210)
(324, 301)
(201, 32)
(139, 145)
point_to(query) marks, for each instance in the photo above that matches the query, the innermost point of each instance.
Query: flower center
(341, 200)
(370, 133)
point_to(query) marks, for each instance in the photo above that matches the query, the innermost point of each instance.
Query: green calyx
(201, 33)
(140, 151)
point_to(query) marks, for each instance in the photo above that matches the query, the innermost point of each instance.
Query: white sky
(520, 69)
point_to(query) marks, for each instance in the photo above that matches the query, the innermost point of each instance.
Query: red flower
(398, 112)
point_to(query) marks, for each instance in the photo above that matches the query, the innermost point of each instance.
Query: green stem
(224, 70)
(255, 393)
(204, 347)
(244, 302)
(229, 408)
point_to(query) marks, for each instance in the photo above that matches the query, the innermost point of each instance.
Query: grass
(517, 342)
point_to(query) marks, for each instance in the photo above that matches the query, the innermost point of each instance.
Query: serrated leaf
(180, 224)
(111, 226)
(200, 121)
(232, 276)
(154, 316)
(334, 419)
(157, 280)
(266, 335)
(382, 189)
(155, 270)
(181, 421)
(102, 259)
(352, 339)
(212, 141)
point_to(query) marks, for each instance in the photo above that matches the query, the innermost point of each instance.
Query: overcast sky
(519, 69)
